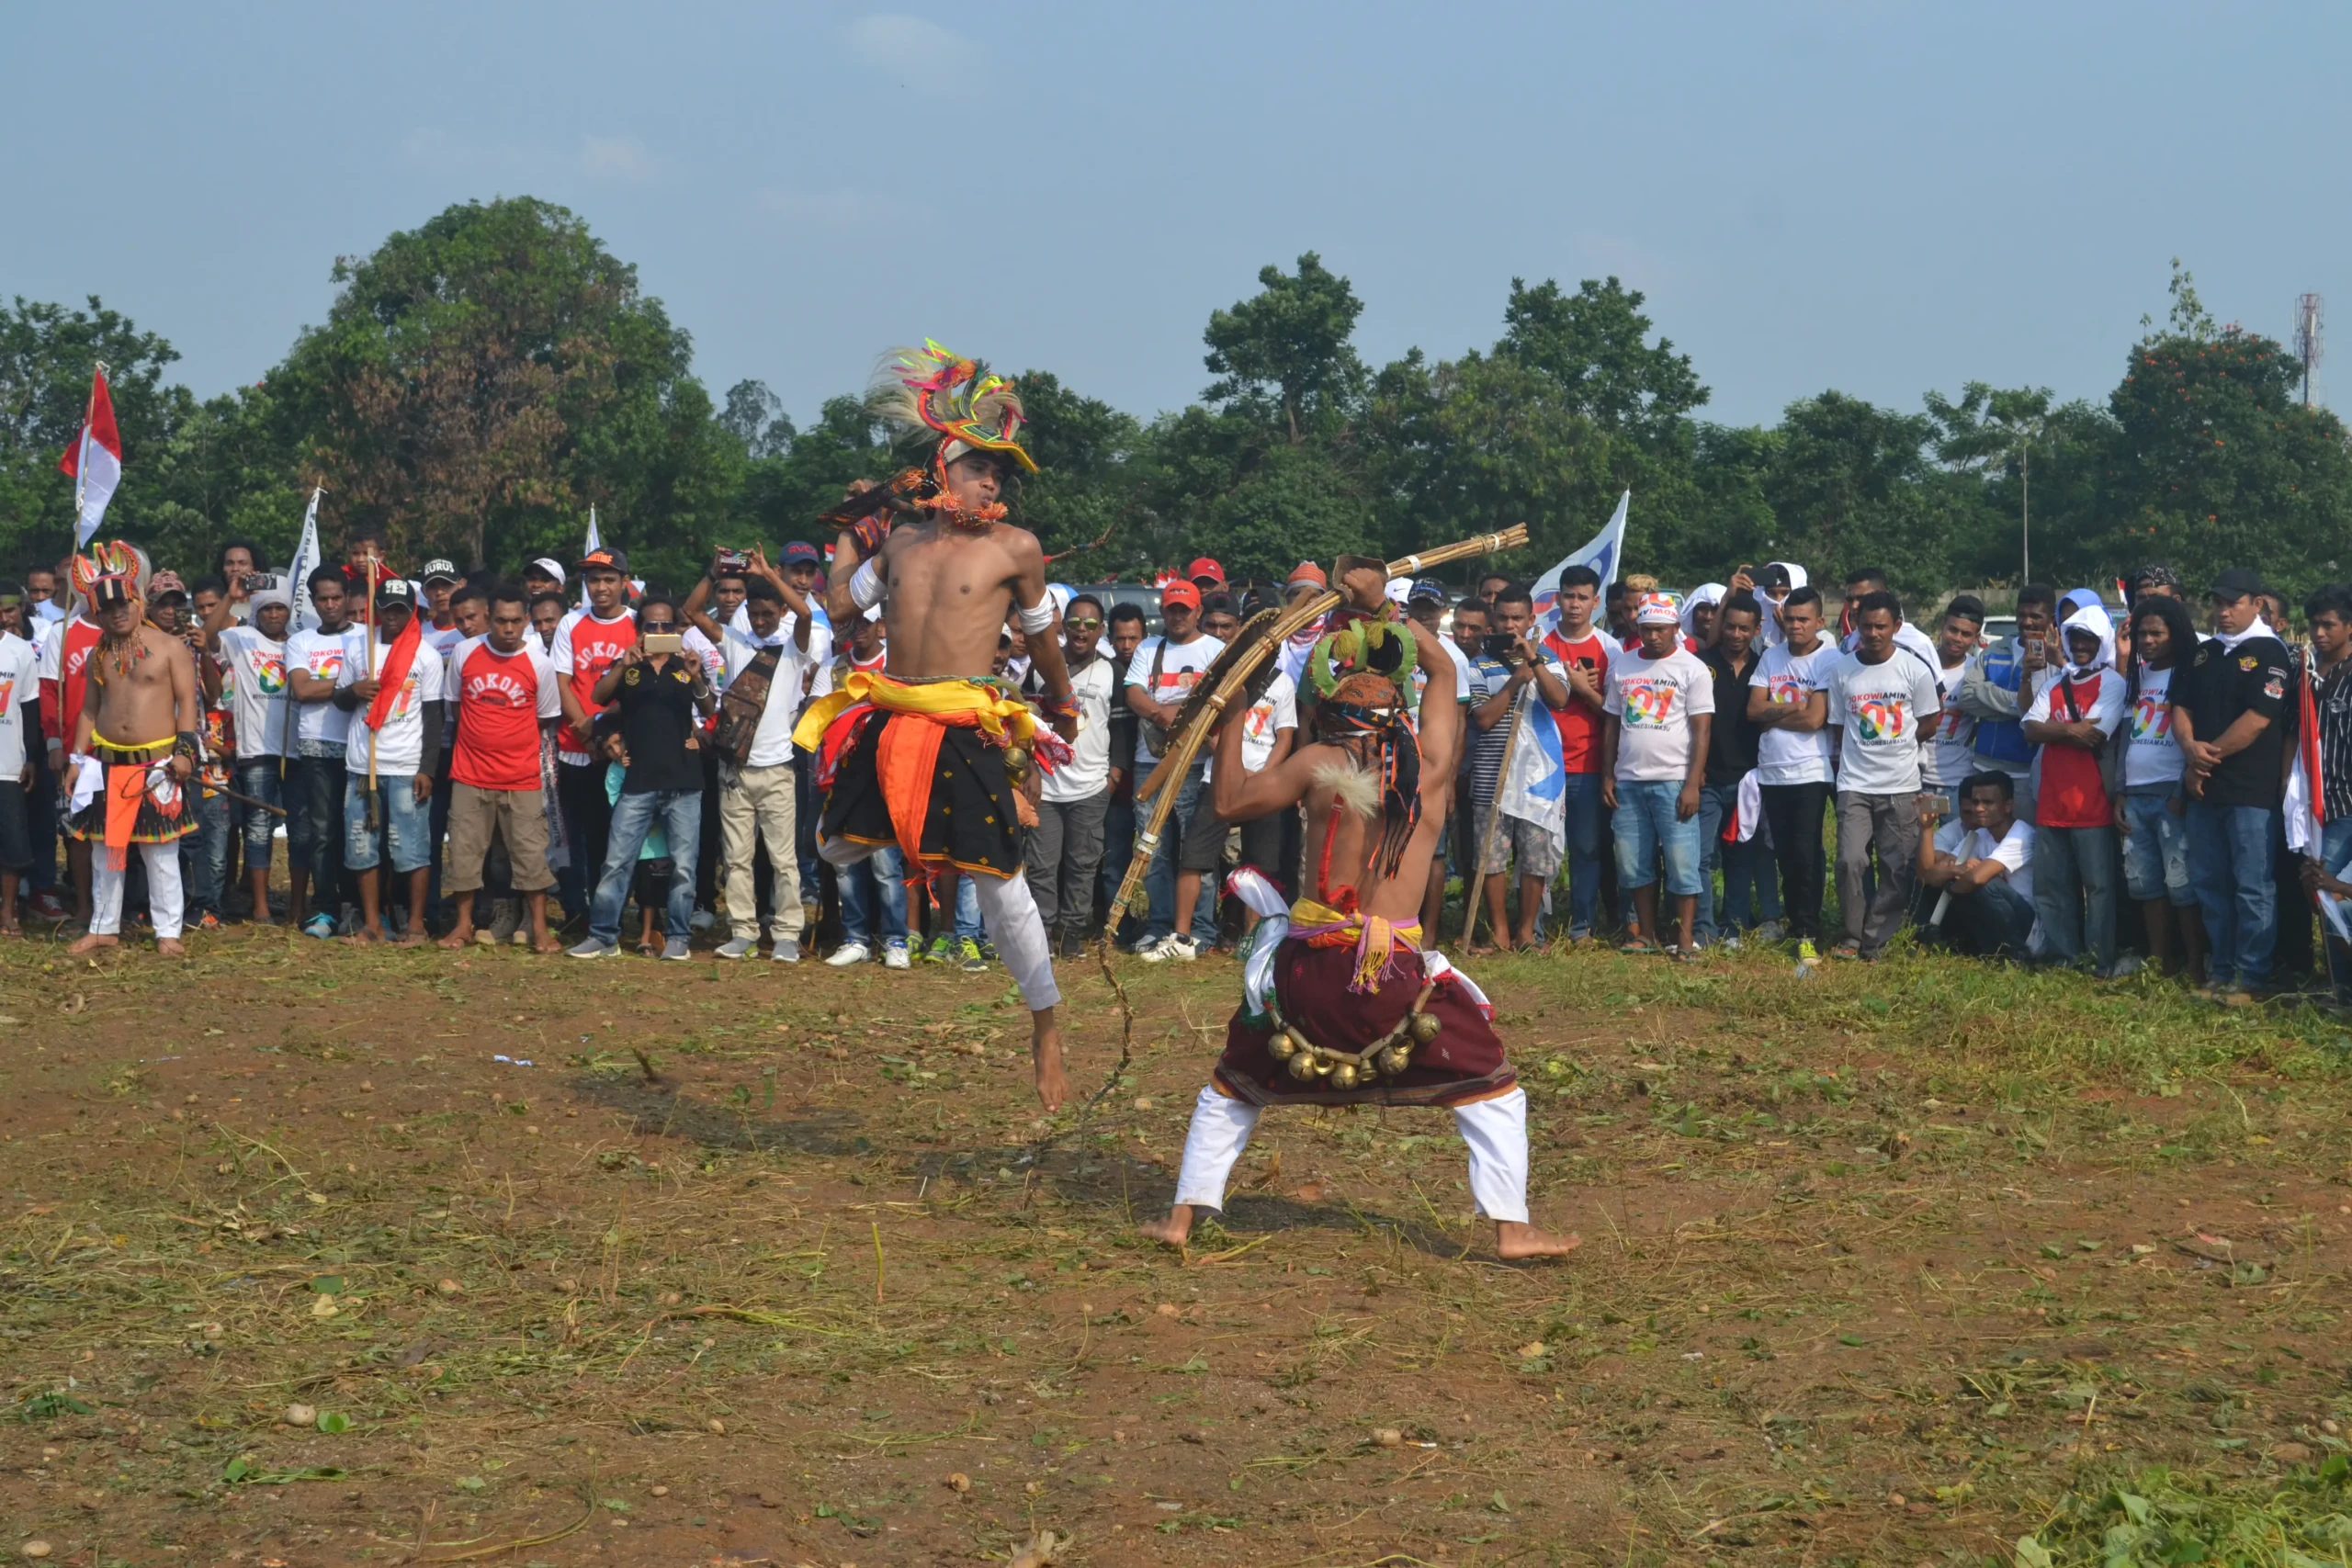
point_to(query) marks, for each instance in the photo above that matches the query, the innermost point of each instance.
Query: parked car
(1117, 593)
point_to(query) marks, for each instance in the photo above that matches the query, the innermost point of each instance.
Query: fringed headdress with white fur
(971, 408)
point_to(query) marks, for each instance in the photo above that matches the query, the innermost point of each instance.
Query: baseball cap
(1655, 609)
(2236, 583)
(549, 566)
(395, 590)
(1398, 587)
(1207, 568)
(607, 558)
(166, 581)
(1179, 594)
(1428, 588)
(799, 551)
(1307, 571)
(440, 568)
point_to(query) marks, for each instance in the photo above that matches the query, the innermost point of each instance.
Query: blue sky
(1876, 197)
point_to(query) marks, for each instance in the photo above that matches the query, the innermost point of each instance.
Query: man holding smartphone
(1999, 687)
(1536, 847)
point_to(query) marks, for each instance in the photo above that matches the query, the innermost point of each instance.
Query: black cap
(395, 590)
(1428, 588)
(2236, 583)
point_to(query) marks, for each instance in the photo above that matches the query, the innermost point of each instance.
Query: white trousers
(1008, 909)
(164, 899)
(1495, 1129)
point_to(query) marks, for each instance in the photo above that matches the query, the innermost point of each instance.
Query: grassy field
(311, 1256)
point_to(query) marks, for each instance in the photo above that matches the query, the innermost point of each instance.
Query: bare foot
(1046, 1050)
(1171, 1231)
(546, 944)
(461, 937)
(413, 938)
(366, 936)
(93, 942)
(1479, 950)
(169, 947)
(10, 928)
(1514, 1240)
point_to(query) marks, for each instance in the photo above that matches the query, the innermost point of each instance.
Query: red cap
(1180, 594)
(1206, 568)
(1307, 571)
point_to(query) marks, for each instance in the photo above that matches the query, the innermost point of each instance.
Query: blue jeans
(1646, 824)
(208, 854)
(403, 821)
(967, 911)
(1994, 921)
(2156, 852)
(2073, 892)
(2228, 865)
(1746, 868)
(264, 778)
(1118, 850)
(1582, 797)
(873, 881)
(1161, 884)
(680, 814)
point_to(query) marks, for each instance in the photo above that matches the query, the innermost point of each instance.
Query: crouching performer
(932, 751)
(1341, 1002)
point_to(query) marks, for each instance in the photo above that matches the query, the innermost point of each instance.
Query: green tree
(1085, 488)
(1285, 351)
(754, 416)
(1850, 485)
(482, 379)
(47, 352)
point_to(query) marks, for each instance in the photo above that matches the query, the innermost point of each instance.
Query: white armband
(1038, 617)
(866, 587)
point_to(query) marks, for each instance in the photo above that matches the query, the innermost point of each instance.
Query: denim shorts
(2155, 853)
(1645, 824)
(406, 821)
(259, 777)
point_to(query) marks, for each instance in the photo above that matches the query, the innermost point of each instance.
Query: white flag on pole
(1536, 788)
(1601, 553)
(306, 561)
(595, 542)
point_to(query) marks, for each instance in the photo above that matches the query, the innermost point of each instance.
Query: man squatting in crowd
(1340, 1000)
(932, 753)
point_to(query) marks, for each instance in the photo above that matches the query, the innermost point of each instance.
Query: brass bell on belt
(1425, 1027)
(1344, 1076)
(1280, 1045)
(1395, 1059)
(1302, 1065)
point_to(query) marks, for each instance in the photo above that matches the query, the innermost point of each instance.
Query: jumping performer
(1341, 1003)
(932, 752)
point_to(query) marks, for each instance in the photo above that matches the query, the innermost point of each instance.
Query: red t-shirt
(1579, 722)
(2073, 794)
(584, 648)
(500, 699)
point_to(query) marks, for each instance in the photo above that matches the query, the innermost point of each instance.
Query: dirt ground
(642, 1263)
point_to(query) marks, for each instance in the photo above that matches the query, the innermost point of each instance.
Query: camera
(664, 642)
(733, 560)
(1500, 646)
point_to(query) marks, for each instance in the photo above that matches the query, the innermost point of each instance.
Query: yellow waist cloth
(986, 706)
(1375, 939)
(148, 750)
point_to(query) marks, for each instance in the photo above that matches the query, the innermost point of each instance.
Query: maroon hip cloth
(1463, 1063)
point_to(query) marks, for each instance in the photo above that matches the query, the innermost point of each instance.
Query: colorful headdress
(1363, 684)
(959, 398)
(114, 559)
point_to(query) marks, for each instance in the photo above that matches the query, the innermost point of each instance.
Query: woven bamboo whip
(1185, 743)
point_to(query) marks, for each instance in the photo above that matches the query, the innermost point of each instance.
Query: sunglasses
(1083, 623)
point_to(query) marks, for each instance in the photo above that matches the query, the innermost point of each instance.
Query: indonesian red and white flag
(95, 460)
(2306, 802)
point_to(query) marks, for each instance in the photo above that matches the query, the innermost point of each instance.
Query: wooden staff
(241, 799)
(371, 823)
(1474, 886)
(1185, 743)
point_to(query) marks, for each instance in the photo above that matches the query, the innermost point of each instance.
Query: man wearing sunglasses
(1066, 847)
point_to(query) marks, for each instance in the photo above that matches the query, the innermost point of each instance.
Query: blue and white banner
(1601, 553)
(1535, 788)
(306, 561)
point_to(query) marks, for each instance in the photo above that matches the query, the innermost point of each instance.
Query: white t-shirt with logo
(321, 655)
(1952, 758)
(400, 745)
(2014, 849)
(1260, 722)
(2152, 753)
(19, 702)
(772, 741)
(258, 699)
(1654, 701)
(1181, 665)
(1087, 773)
(1788, 756)
(1877, 710)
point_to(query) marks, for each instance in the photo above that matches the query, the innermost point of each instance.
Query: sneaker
(2123, 968)
(988, 950)
(591, 947)
(1178, 947)
(942, 948)
(1769, 931)
(702, 921)
(894, 954)
(505, 920)
(1806, 953)
(851, 953)
(49, 907)
(1729, 943)
(736, 947)
(788, 949)
(208, 922)
(970, 952)
(1847, 950)
(675, 951)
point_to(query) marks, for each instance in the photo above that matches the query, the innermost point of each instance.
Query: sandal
(1637, 944)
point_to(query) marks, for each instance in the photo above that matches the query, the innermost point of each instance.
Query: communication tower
(2311, 343)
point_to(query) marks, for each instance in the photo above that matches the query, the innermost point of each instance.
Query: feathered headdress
(1362, 678)
(112, 558)
(936, 388)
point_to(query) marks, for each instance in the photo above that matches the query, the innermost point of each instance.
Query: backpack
(742, 706)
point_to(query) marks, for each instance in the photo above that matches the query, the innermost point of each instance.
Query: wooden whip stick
(1185, 744)
(371, 821)
(1474, 888)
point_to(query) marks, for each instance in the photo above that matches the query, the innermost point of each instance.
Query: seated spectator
(1979, 870)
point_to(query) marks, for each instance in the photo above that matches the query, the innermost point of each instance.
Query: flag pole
(371, 676)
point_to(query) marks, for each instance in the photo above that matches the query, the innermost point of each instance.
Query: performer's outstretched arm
(1239, 795)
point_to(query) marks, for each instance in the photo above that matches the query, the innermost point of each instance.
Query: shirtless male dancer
(1340, 1004)
(135, 741)
(930, 752)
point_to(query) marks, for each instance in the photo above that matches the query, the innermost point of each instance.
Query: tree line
(482, 380)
